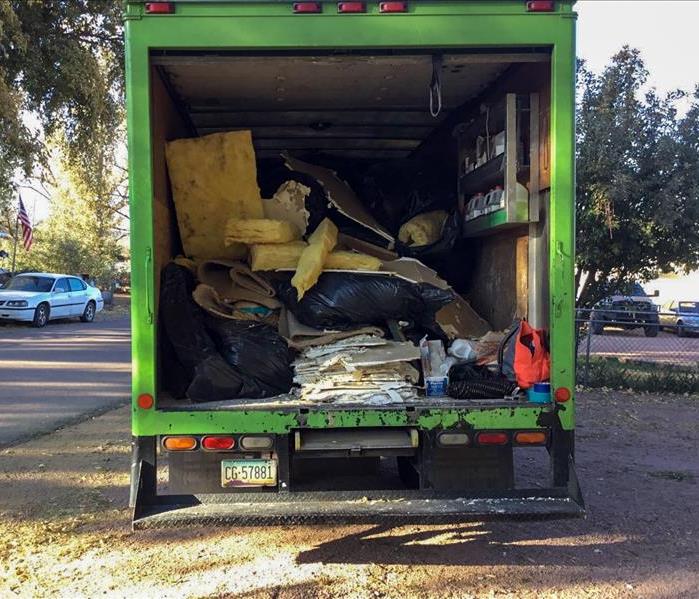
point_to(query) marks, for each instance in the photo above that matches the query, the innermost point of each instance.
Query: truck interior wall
(499, 286)
(167, 124)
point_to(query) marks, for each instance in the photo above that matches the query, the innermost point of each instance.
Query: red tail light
(355, 7)
(308, 7)
(160, 8)
(393, 6)
(541, 5)
(562, 394)
(492, 438)
(218, 443)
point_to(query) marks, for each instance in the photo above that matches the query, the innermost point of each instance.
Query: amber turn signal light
(179, 443)
(530, 438)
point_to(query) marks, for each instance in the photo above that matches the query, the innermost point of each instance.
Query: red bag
(532, 362)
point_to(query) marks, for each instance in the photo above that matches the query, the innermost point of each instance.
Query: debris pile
(364, 369)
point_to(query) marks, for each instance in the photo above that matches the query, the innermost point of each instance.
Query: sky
(664, 30)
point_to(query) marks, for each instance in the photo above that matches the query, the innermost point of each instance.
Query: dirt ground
(64, 530)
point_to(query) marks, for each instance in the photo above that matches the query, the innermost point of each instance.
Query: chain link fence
(642, 351)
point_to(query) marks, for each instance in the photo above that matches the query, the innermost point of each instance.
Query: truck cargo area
(360, 112)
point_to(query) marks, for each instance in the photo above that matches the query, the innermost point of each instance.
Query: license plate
(248, 473)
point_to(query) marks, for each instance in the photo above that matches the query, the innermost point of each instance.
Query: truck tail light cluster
(311, 8)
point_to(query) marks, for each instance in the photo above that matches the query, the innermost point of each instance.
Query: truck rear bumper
(353, 506)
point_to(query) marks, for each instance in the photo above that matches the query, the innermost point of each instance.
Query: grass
(652, 377)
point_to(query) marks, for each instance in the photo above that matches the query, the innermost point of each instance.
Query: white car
(38, 297)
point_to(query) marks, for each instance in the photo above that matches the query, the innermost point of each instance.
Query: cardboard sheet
(341, 196)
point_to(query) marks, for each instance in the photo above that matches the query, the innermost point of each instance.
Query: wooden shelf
(492, 223)
(517, 166)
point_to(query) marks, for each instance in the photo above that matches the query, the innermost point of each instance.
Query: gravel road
(64, 530)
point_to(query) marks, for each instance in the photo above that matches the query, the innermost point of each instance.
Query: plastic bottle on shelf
(497, 199)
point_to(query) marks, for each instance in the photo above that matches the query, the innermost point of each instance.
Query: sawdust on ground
(65, 530)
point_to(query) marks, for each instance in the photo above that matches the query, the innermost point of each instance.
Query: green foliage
(637, 179)
(649, 377)
(61, 79)
(60, 60)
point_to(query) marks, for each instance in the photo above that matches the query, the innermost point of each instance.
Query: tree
(60, 61)
(637, 180)
(86, 225)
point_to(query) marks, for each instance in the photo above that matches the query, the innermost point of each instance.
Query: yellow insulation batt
(260, 230)
(213, 179)
(320, 244)
(341, 260)
(276, 256)
(423, 229)
(273, 256)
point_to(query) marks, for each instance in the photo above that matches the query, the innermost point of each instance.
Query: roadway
(62, 373)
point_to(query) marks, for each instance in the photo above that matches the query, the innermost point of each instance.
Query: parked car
(39, 297)
(627, 312)
(680, 316)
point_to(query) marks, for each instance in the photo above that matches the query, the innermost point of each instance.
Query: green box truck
(367, 83)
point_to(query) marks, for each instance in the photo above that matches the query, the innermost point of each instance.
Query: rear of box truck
(363, 85)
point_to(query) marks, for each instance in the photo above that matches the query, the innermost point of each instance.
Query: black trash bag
(451, 233)
(344, 300)
(397, 190)
(204, 372)
(470, 381)
(257, 352)
(274, 172)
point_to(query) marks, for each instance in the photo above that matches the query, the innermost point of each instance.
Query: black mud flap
(370, 507)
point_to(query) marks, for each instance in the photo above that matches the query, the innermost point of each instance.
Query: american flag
(26, 226)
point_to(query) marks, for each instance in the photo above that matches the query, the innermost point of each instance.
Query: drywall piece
(423, 229)
(343, 260)
(320, 244)
(415, 271)
(213, 178)
(276, 256)
(341, 196)
(359, 245)
(260, 230)
(459, 320)
(386, 354)
(289, 204)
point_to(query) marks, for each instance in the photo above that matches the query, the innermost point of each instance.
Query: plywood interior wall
(166, 125)
(498, 289)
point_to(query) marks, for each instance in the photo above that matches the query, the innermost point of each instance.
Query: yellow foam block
(320, 244)
(341, 260)
(272, 256)
(423, 229)
(213, 178)
(260, 230)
